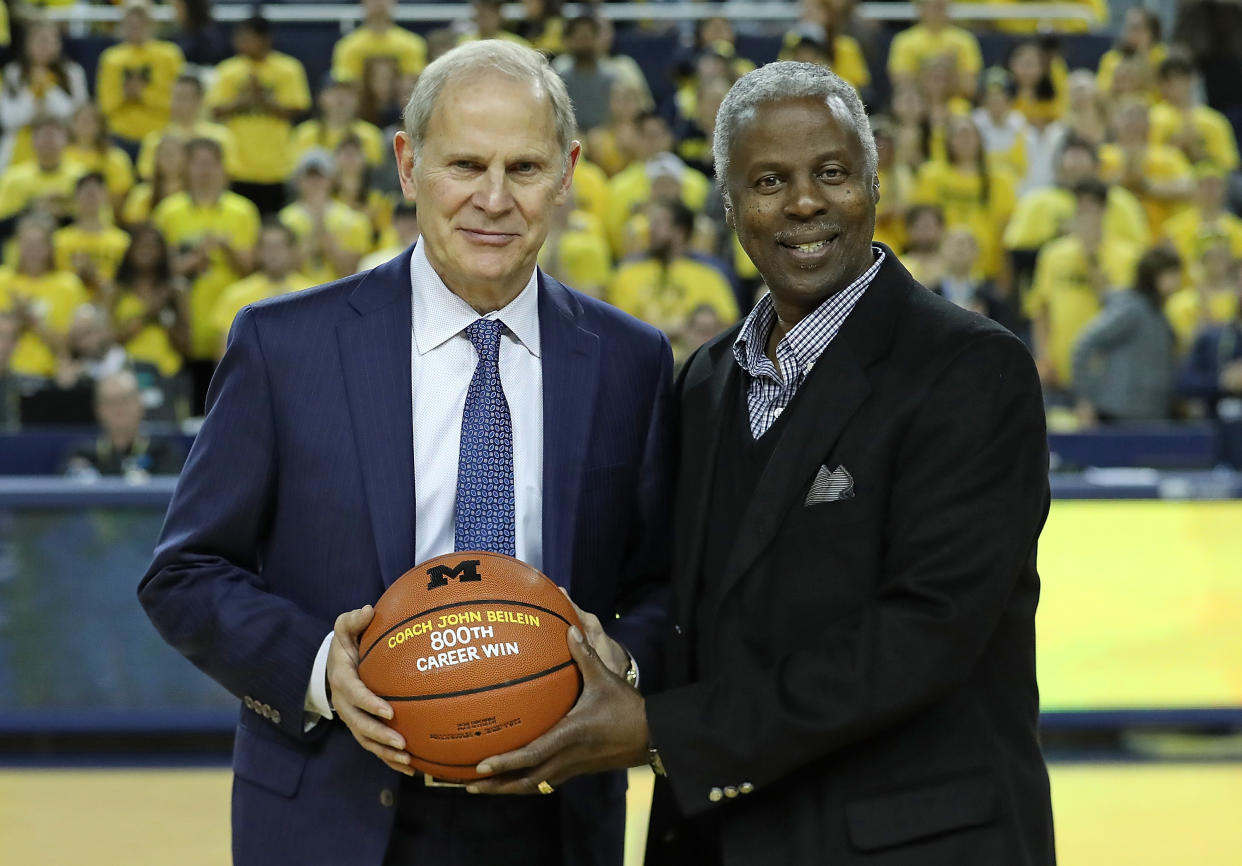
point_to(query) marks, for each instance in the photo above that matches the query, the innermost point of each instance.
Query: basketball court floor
(1107, 814)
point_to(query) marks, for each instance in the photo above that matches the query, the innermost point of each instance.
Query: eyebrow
(826, 156)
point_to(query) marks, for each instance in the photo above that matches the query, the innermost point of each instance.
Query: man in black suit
(862, 483)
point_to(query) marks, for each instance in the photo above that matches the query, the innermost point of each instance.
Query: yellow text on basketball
(408, 633)
(513, 617)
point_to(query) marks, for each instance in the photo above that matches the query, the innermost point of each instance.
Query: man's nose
(806, 198)
(493, 196)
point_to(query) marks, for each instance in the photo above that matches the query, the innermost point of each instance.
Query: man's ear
(728, 211)
(403, 148)
(875, 188)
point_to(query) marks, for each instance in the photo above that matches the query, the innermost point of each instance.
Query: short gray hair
(786, 80)
(482, 57)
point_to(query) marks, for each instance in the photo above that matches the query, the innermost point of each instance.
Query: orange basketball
(471, 650)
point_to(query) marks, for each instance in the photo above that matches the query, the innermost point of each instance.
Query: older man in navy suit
(354, 429)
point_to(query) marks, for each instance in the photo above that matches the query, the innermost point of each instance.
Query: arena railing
(349, 14)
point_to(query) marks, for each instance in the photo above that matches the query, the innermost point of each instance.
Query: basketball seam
(390, 630)
(475, 691)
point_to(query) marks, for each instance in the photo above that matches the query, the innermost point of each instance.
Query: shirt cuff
(317, 706)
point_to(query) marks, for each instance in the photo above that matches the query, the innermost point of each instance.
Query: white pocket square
(831, 485)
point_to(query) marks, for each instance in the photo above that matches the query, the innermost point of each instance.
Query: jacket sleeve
(969, 494)
(642, 608)
(1109, 329)
(204, 590)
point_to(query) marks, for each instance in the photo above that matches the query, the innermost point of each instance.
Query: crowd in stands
(1087, 209)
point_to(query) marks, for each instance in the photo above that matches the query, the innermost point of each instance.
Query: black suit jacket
(867, 692)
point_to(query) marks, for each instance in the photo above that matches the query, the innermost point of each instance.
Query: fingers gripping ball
(471, 651)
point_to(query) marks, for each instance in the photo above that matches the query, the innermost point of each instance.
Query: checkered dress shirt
(771, 389)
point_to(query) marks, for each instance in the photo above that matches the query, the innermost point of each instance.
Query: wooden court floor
(1107, 815)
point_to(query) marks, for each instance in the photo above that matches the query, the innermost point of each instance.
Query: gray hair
(482, 57)
(786, 80)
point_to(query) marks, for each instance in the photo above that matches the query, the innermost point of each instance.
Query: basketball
(471, 650)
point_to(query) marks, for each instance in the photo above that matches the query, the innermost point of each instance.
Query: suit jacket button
(677, 628)
(746, 787)
(730, 792)
(276, 716)
(715, 795)
(387, 798)
(249, 702)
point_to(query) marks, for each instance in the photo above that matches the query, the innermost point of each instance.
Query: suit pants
(450, 827)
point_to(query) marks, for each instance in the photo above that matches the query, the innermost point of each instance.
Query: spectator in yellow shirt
(135, 77)
(90, 247)
(258, 93)
(278, 274)
(576, 253)
(542, 25)
(1157, 174)
(168, 178)
(333, 237)
(665, 286)
(46, 182)
(934, 36)
(923, 253)
(1072, 276)
(613, 144)
(1206, 222)
(91, 147)
(1003, 127)
(211, 232)
(42, 298)
(338, 117)
(186, 121)
(352, 186)
(896, 186)
(378, 37)
(1140, 41)
(842, 52)
(400, 235)
(150, 314)
(1039, 81)
(1201, 133)
(1210, 299)
(971, 193)
(41, 82)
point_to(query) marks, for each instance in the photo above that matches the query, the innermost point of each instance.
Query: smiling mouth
(483, 236)
(811, 246)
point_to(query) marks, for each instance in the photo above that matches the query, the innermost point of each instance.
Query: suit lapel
(570, 360)
(837, 386)
(704, 407)
(375, 360)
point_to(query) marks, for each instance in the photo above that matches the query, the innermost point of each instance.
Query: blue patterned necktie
(484, 518)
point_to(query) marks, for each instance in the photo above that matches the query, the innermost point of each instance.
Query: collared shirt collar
(805, 341)
(439, 315)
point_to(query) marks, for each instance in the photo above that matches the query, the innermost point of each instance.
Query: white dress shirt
(442, 363)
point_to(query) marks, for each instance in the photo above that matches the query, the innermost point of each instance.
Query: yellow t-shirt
(1112, 58)
(158, 64)
(22, 184)
(1159, 163)
(1212, 129)
(912, 46)
(896, 191)
(1061, 291)
(351, 53)
(105, 248)
(264, 141)
(114, 164)
(665, 297)
(54, 298)
(1191, 234)
(185, 224)
(252, 289)
(960, 195)
(150, 345)
(590, 190)
(203, 129)
(629, 190)
(580, 257)
(1186, 311)
(1044, 214)
(137, 207)
(312, 133)
(350, 228)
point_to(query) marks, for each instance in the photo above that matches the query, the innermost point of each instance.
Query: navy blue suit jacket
(297, 503)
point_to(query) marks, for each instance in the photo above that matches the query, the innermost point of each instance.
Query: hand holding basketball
(357, 706)
(613, 655)
(606, 730)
